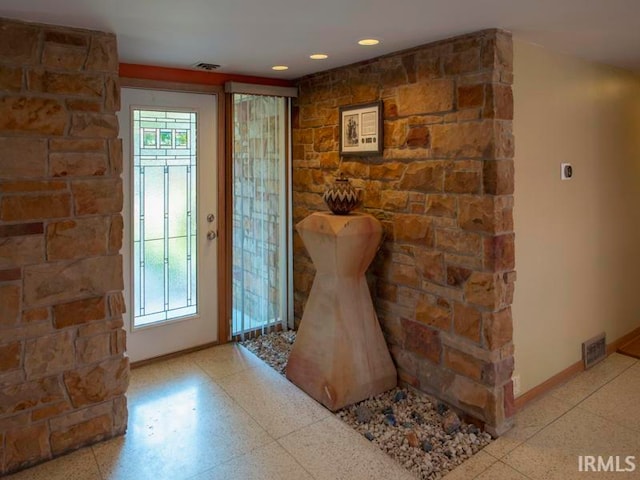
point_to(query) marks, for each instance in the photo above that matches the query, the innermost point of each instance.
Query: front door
(170, 266)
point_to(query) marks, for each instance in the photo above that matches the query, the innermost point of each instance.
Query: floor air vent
(594, 350)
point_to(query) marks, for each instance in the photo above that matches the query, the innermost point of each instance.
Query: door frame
(224, 189)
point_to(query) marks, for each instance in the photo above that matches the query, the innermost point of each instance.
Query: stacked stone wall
(63, 372)
(443, 280)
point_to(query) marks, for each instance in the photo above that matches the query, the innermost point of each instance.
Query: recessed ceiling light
(279, 67)
(319, 56)
(368, 41)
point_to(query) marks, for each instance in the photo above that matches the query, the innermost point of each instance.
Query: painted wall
(576, 241)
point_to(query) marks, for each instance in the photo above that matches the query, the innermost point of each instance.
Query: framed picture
(361, 129)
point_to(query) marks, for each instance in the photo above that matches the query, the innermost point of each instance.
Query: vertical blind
(259, 195)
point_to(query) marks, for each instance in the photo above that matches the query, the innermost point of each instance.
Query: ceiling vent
(209, 67)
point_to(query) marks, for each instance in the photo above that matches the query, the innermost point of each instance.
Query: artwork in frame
(361, 129)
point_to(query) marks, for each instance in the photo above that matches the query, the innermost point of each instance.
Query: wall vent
(209, 67)
(594, 350)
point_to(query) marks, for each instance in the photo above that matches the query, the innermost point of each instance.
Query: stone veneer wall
(443, 280)
(63, 372)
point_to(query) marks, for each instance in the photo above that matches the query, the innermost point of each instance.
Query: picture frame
(361, 129)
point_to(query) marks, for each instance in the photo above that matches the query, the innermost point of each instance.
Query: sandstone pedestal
(340, 356)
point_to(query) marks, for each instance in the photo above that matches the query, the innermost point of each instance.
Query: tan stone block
(462, 182)
(77, 238)
(471, 262)
(393, 76)
(9, 304)
(31, 207)
(498, 177)
(401, 274)
(79, 312)
(26, 446)
(467, 321)
(499, 252)
(120, 415)
(77, 164)
(462, 62)
(22, 157)
(97, 383)
(93, 349)
(422, 340)
(498, 328)
(112, 94)
(64, 281)
(472, 396)
(10, 356)
(457, 276)
(83, 105)
(464, 364)
(117, 305)
(10, 274)
(394, 200)
(428, 66)
(430, 96)
(103, 53)
(438, 290)
(118, 342)
(19, 251)
(416, 153)
(412, 228)
(497, 373)
(470, 96)
(26, 186)
(45, 116)
(102, 326)
(49, 355)
(99, 196)
(442, 205)
(484, 289)
(26, 395)
(63, 57)
(67, 37)
(302, 136)
(425, 176)
(422, 120)
(115, 234)
(78, 144)
(436, 314)
(65, 83)
(387, 171)
(115, 155)
(101, 125)
(464, 140)
(324, 139)
(418, 137)
(35, 315)
(395, 133)
(404, 360)
(18, 42)
(429, 264)
(354, 169)
(48, 411)
(364, 92)
(497, 52)
(498, 102)
(489, 214)
(10, 78)
(455, 241)
(504, 141)
(81, 434)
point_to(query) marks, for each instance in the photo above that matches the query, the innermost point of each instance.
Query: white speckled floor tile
(580, 387)
(224, 360)
(529, 421)
(78, 465)
(274, 402)
(331, 450)
(500, 471)
(552, 454)
(265, 463)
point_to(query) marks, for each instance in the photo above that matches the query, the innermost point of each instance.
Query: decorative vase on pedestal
(341, 197)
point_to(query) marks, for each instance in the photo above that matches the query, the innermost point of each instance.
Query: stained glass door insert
(164, 215)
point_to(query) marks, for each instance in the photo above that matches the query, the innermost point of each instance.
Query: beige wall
(577, 241)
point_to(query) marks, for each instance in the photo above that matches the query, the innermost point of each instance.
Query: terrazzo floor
(222, 413)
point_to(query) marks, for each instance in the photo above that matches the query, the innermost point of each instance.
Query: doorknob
(211, 235)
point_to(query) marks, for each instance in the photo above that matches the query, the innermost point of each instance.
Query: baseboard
(168, 356)
(568, 373)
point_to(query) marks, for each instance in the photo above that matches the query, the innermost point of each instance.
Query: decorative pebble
(400, 395)
(363, 414)
(436, 451)
(450, 423)
(390, 420)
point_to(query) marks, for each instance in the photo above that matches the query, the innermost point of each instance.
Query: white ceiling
(249, 36)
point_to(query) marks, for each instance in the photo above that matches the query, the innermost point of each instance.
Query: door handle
(211, 235)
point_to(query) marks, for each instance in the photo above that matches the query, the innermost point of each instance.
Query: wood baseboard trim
(568, 373)
(169, 356)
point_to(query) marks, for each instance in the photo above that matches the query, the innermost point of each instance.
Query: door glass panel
(164, 215)
(259, 212)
